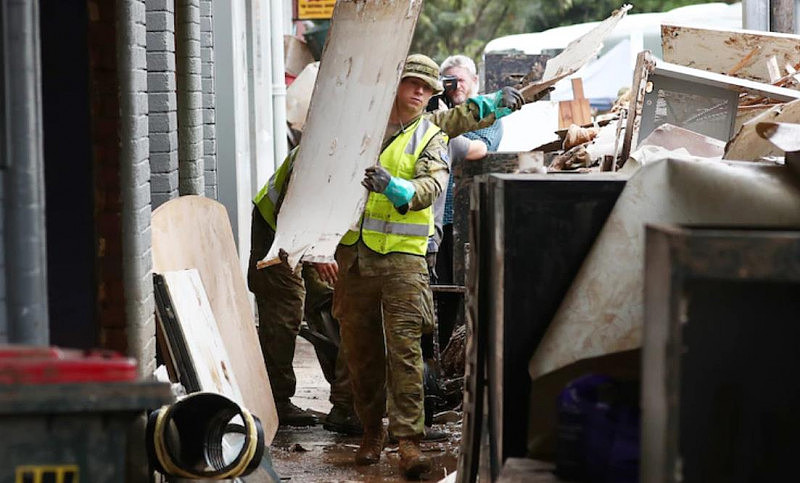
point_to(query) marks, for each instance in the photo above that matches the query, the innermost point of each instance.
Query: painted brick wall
(162, 100)
(119, 111)
(135, 183)
(191, 175)
(209, 98)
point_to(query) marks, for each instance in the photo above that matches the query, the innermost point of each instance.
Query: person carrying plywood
(382, 297)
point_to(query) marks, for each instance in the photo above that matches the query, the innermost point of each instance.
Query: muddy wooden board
(197, 324)
(741, 53)
(603, 310)
(194, 232)
(358, 75)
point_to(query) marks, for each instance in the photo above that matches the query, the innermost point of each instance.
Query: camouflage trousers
(381, 321)
(283, 298)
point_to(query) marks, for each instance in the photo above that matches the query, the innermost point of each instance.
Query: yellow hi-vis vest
(271, 193)
(383, 228)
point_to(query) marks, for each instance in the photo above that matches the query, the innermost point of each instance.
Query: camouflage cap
(423, 67)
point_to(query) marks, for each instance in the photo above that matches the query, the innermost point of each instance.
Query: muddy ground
(316, 455)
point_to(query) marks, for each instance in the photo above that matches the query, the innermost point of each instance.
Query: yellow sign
(314, 9)
(47, 473)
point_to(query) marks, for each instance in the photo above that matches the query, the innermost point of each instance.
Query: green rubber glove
(500, 103)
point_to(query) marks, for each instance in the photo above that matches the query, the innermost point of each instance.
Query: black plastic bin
(70, 432)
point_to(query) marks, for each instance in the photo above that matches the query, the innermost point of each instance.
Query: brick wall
(209, 97)
(135, 183)
(162, 100)
(191, 175)
(120, 146)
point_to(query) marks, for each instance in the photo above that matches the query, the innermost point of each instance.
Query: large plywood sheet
(358, 75)
(603, 310)
(745, 52)
(194, 232)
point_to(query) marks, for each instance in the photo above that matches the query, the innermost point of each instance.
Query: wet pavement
(316, 455)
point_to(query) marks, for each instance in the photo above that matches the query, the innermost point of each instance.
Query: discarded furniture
(532, 234)
(721, 308)
(194, 232)
(186, 319)
(695, 99)
(602, 312)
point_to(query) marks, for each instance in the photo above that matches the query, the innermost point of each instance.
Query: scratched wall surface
(360, 68)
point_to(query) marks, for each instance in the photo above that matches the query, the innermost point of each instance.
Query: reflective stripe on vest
(383, 228)
(270, 194)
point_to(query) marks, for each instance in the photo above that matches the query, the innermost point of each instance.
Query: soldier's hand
(376, 179)
(511, 98)
(328, 272)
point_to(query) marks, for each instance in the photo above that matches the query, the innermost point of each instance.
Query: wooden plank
(199, 329)
(361, 65)
(723, 51)
(194, 232)
(576, 111)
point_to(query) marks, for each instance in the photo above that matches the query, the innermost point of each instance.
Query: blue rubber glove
(398, 190)
(501, 103)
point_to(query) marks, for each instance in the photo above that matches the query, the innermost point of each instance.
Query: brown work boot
(412, 462)
(371, 447)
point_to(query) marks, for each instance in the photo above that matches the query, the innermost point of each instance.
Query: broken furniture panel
(194, 232)
(747, 145)
(677, 106)
(740, 53)
(196, 329)
(720, 338)
(602, 312)
(343, 133)
(707, 110)
(576, 54)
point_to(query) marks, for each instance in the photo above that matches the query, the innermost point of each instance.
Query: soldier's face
(467, 85)
(413, 94)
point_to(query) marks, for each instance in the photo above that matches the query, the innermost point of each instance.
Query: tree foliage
(448, 27)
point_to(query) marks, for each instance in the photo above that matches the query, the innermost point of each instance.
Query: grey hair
(459, 61)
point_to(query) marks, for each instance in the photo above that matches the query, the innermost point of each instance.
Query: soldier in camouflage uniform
(283, 297)
(382, 298)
